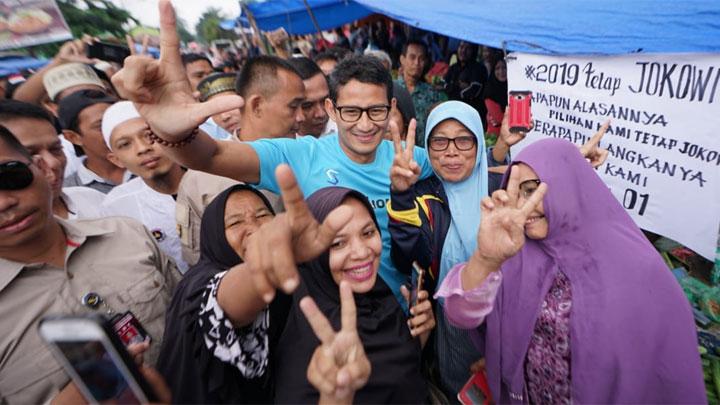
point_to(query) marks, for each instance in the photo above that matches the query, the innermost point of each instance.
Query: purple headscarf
(632, 335)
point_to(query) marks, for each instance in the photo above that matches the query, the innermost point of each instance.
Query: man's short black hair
(305, 67)
(335, 53)
(188, 58)
(13, 109)
(415, 42)
(365, 69)
(11, 141)
(260, 75)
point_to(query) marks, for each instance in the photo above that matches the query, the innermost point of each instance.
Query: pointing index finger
(395, 132)
(410, 140)
(534, 200)
(292, 196)
(318, 322)
(169, 40)
(513, 187)
(347, 304)
(595, 140)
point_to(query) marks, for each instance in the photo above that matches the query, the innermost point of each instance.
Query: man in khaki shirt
(47, 266)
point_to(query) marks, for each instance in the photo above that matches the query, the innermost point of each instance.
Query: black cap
(216, 83)
(71, 106)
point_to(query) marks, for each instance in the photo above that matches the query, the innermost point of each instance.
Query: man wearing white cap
(149, 198)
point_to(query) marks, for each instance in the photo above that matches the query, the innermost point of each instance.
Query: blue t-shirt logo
(332, 176)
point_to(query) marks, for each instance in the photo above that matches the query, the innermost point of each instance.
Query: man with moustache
(50, 266)
(35, 129)
(317, 121)
(150, 197)
(273, 93)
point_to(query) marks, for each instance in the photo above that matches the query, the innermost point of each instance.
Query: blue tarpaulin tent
(10, 64)
(547, 26)
(293, 15)
(568, 26)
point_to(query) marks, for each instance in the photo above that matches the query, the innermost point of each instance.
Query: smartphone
(417, 283)
(475, 391)
(520, 116)
(108, 52)
(96, 359)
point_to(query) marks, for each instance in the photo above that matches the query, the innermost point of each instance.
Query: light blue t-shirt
(319, 163)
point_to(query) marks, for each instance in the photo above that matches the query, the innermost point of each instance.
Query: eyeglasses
(15, 175)
(440, 143)
(374, 112)
(528, 187)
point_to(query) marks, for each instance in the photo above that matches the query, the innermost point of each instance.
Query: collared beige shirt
(195, 193)
(115, 258)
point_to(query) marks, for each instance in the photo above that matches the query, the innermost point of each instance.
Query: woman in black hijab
(189, 367)
(353, 258)
(381, 324)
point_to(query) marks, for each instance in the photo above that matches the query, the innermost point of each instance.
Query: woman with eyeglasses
(434, 222)
(576, 305)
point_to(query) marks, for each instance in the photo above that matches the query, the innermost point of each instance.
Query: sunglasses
(15, 175)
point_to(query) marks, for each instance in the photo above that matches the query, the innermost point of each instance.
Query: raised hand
(339, 366)
(511, 138)
(502, 227)
(291, 237)
(404, 171)
(593, 153)
(160, 89)
(73, 51)
(422, 320)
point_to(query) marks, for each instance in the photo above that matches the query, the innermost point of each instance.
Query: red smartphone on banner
(519, 104)
(476, 391)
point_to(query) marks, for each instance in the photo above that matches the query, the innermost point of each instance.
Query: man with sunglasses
(35, 130)
(81, 117)
(50, 266)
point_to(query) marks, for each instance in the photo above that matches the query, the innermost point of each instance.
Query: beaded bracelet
(154, 138)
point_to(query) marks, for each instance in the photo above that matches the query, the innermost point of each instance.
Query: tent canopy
(548, 26)
(568, 26)
(293, 15)
(11, 64)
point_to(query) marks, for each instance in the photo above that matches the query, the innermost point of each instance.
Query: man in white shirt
(149, 198)
(81, 115)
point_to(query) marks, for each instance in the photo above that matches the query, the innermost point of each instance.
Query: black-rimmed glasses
(15, 175)
(349, 113)
(441, 143)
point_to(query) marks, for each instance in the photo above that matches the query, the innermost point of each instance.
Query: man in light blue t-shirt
(356, 157)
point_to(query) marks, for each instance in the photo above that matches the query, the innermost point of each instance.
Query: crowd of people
(309, 229)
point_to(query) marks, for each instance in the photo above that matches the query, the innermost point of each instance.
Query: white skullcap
(68, 75)
(117, 114)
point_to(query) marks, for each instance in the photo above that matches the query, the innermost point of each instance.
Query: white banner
(664, 142)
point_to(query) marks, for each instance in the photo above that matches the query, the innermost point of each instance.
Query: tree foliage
(208, 27)
(97, 18)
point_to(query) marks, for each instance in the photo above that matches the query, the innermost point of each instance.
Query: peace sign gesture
(160, 89)
(502, 227)
(339, 366)
(405, 171)
(593, 153)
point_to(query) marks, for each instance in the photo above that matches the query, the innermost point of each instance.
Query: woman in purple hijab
(582, 309)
